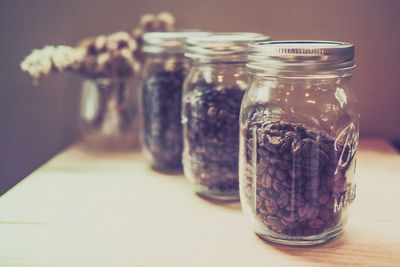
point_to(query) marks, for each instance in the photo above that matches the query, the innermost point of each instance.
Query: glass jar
(299, 128)
(108, 114)
(213, 92)
(163, 74)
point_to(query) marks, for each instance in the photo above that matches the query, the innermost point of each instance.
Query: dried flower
(108, 56)
(162, 22)
(115, 55)
(42, 62)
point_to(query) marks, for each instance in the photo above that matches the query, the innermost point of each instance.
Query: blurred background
(37, 122)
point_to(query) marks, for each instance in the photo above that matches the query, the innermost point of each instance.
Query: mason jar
(299, 129)
(213, 92)
(108, 114)
(163, 74)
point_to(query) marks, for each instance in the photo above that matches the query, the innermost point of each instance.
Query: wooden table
(87, 209)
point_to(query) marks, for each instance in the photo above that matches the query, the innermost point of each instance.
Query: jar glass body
(212, 96)
(108, 114)
(160, 109)
(298, 144)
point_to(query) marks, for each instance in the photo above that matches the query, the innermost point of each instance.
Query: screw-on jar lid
(168, 42)
(301, 55)
(229, 46)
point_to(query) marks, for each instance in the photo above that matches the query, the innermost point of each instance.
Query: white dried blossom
(168, 19)
(36, 64)
(100, 42)
(120, 40)
(137, 33)
(41, 62)
(102, 60)
(67, 57)
(163, 21)
(111, 55)
(146, 19)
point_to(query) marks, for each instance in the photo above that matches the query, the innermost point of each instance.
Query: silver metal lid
(225, 46)
(169, 42)
(301, 55)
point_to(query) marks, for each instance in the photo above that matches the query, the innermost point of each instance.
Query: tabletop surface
(110, 209)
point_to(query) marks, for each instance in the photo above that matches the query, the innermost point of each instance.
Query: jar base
(162, 166)
(299, 241)
(216, 195)
(173, 170)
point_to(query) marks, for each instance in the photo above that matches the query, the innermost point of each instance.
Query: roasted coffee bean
(161, 111)
(309, 231)
(297, 200)
(312, 213)
(271, 170)
(316, 224)
(291, 208)
(324, 213)
(212, 134)
(290, 219)
(263, 193)
(273, 221)
(271, 206)
(281, 175)
(268, 181)
(288, 183)
(324, 198)
(283, 200)
(277, 186)
(300, 180)
(258, 203)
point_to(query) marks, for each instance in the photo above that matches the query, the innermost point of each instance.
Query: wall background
(37, 122)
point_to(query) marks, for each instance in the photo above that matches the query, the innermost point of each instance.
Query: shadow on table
(349, 248)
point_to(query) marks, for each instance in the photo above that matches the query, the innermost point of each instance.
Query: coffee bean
(324, 198)
(290, 219)
(296, 147)
(161, 111)
(322, 156)
(315, 194)
(281, 175)
(283, 200)
(262, 210)
(297, 200)
(285, 149)
(312, 184)
(324, 213)
(299, 174)
(308, 147)
(258, 203)
(271, 206)
(303, 210)
(316, 224)
(291, 208)
(309, 231)
(277, 186)
(273, 221)
(299, 231)
(271, 170)
(273, 143)
(211, 113)
(312, 213)
(275, 160)
(288, 183)
(263, 193)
